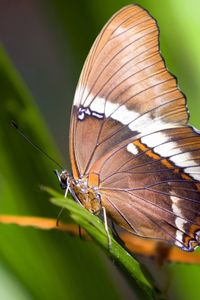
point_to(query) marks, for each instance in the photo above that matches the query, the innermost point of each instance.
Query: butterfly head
(81, 192)
(63, 178)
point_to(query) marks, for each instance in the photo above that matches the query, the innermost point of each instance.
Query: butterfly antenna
(14, 124)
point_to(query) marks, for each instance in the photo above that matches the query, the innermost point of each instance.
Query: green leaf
(95, 227)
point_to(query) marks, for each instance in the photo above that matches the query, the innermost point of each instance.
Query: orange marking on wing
(193, 228)
(193, 244)
(140, 145)
(169, 165)
(149, 152)
(74, 169)
(152, 155)
(189, 242)
(188, 238)
(93, 179)
(185, 176)
(72, 157)
(165, 162)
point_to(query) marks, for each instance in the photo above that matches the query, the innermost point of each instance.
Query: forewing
(124, 89)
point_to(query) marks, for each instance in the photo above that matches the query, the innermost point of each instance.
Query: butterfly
(132, 151)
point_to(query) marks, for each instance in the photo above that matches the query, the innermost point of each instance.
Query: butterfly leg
(61, 211)
(67, 190)
(106, 227)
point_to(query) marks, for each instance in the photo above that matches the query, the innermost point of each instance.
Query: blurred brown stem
(133, 243)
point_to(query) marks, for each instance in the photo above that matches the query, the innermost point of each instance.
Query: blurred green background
(47, 41)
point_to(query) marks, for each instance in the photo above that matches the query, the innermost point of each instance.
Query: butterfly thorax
(81, 191)
(88, 196)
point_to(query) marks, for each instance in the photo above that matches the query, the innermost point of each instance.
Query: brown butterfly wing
(129, 119)
(124, 79)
